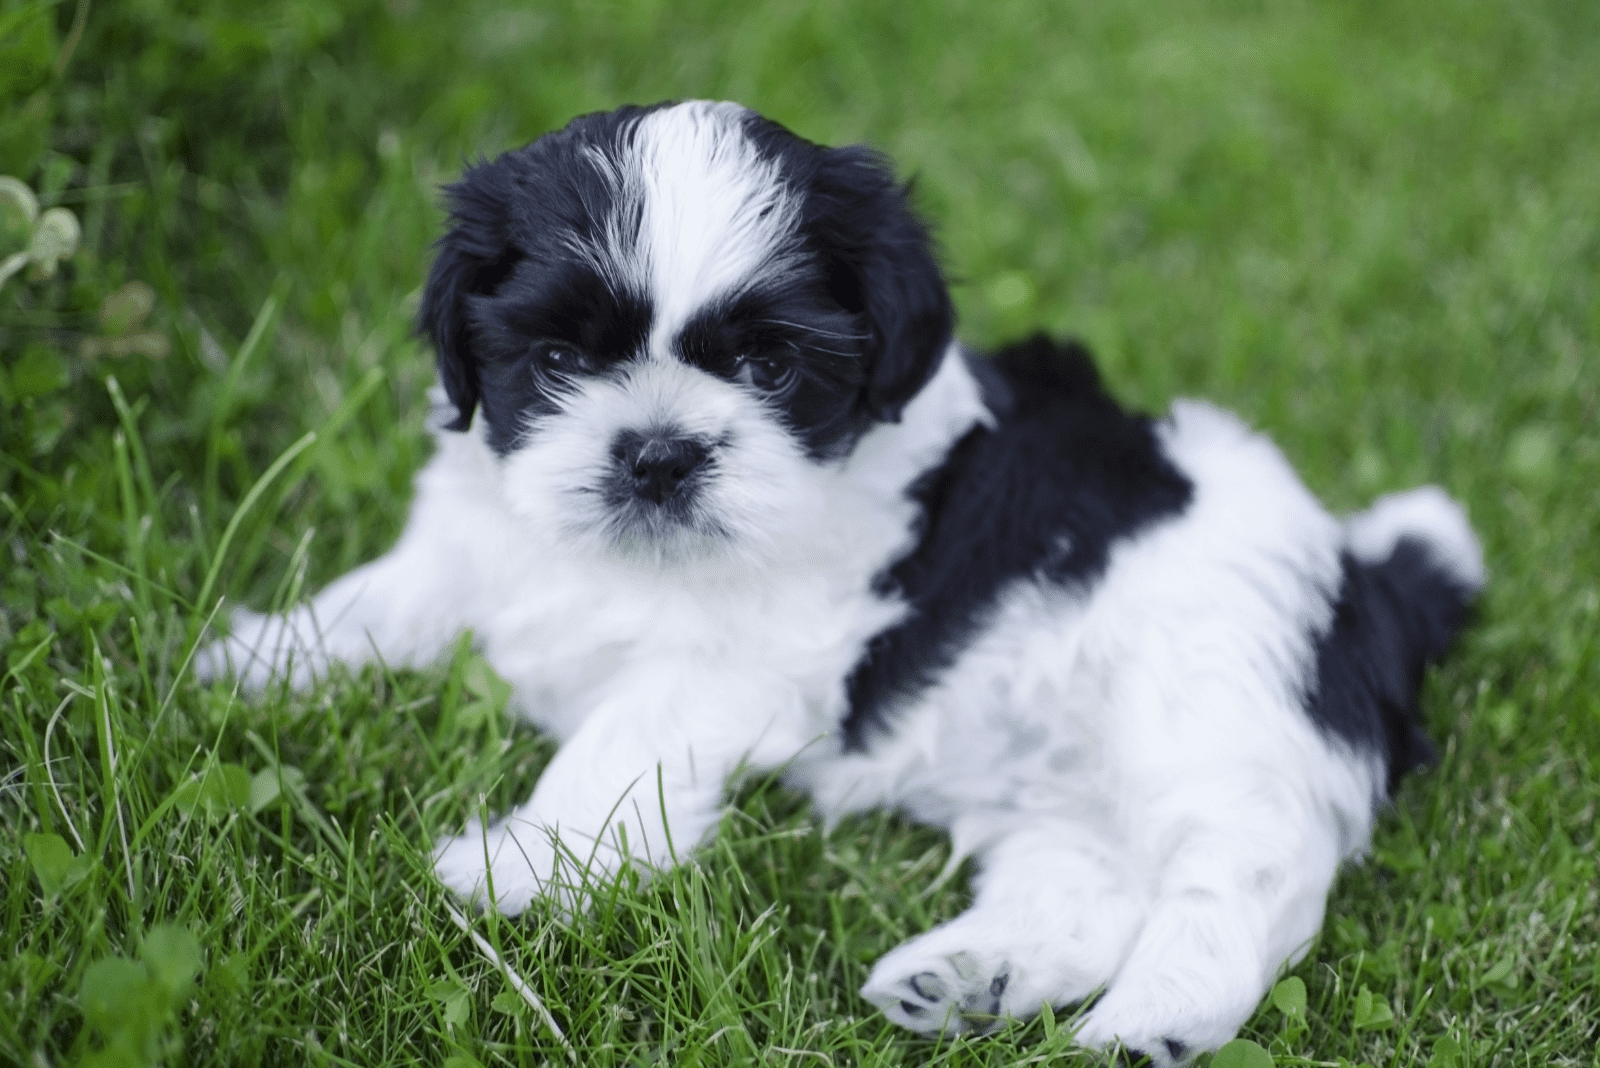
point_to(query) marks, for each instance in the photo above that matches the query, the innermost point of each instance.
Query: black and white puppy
(718, 493)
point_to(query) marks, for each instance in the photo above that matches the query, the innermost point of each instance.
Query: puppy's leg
(641, 780)
(345, 623)
(1052, 917)
(1242, 895)
(403, 608)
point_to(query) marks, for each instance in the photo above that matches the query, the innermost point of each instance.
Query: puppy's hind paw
(1148, 1033)
(496, 867)
(931, 993)
(1170, 1053)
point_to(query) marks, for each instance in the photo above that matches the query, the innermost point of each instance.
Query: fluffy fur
(716, 492)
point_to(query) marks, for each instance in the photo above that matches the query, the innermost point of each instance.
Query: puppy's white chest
(570, 637)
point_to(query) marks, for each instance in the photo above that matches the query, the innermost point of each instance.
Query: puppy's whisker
(807, 328)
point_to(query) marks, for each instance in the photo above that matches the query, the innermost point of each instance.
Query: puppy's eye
(764, 373)
(554, 357)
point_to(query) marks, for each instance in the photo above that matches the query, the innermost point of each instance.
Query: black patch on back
(1391, 621)
(1066, 473)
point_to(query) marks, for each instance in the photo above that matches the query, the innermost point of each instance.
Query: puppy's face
(672, 319)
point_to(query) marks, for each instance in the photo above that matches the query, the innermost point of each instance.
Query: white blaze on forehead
(714, 215)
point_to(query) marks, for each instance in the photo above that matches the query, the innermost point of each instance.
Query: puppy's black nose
(659, 465)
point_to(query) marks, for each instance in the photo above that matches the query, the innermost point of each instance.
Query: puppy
(717, 493)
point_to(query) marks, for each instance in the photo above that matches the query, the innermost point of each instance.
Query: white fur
(1129, 761)
(712, 216)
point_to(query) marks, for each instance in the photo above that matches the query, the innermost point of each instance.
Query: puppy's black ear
(880, 265)
(474, 257)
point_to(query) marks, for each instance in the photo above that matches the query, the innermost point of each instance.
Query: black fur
(1065, 474)
(1391, 621)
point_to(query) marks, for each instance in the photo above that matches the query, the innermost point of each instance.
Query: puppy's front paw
(258, 650)
(502, 866)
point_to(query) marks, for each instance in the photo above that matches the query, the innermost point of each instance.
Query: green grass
(1374, 230)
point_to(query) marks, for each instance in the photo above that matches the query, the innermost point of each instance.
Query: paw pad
(954, 994)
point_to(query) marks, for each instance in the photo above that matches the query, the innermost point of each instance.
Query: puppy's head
(673, 319)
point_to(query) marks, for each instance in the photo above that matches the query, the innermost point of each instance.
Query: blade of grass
(327, 434)
(516, 981)
(265, 320)
(284, 460)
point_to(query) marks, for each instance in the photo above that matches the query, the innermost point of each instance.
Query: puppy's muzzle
(657, 465)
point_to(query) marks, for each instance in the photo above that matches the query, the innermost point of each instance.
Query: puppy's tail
(1413, 567)
(1421, 541)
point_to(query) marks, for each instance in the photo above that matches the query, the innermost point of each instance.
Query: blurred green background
(1371, 229)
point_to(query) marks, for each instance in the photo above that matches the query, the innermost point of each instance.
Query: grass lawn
(1374, 230)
